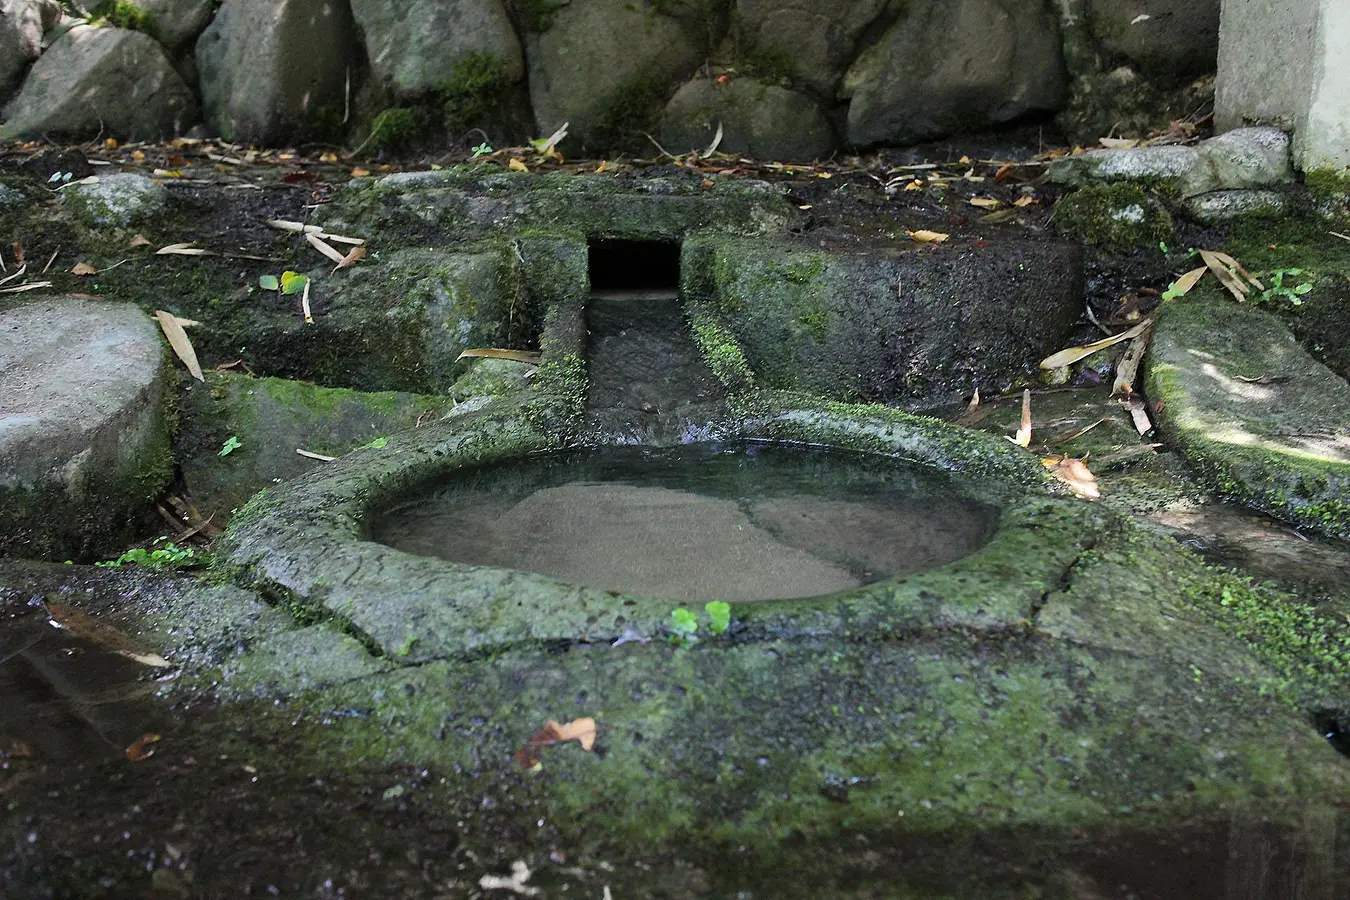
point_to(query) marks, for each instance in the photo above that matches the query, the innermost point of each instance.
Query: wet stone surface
(703, 523)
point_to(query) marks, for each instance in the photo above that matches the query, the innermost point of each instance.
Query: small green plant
(683, 626)
(378, 444)
(720, 613)
(166, 556)
(1278, 290)
(231, 444)
(482, 149)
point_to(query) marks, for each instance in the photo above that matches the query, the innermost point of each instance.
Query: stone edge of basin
(307, 539)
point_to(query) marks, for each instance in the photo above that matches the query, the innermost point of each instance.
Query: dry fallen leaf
(86, 627)
(183, 249)
(139, 240)
(1073, 354)
(360, 173)
(1023, 438)
(1235, 285)
(1138, 413)
(143, 747)
(524, 356)
(1025, 200)
(1127, 371)
(1185, 282)
(517, 165)
(325, 248)
(985, 202)
(310, 454)
(1075, 474)
(83, 269)
(172, 327)
(928, 237)
(580, 730)
(354, 255)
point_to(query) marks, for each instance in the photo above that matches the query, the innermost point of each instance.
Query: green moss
(720, 351)
(473, 90)
(634, 108)
(1115, 217)
(394, 129)
(1310, 651)
(124, 14)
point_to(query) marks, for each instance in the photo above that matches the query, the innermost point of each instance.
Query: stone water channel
(1058, 699)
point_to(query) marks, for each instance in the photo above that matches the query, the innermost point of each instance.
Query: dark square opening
(645, 266)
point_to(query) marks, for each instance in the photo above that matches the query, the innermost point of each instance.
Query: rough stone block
(84, 443)
(1283, 62)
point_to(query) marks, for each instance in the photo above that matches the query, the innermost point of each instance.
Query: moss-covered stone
(889, 327)
(1115, 217)
(1262, 421)
(270, 419)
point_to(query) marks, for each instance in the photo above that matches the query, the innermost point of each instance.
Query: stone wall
(785, 79)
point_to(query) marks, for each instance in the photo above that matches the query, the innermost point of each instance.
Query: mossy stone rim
(309, 539)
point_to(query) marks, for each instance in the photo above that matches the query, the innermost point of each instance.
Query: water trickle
(696, 523)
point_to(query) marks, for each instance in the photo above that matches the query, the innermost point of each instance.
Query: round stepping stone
(84, 439)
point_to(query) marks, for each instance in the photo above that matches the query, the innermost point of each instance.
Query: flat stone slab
(1263, 421)
(83, 437)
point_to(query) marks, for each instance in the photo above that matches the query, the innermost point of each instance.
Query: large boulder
(762, 120)
(177, 23)
(819, 39)
(1165, 38)
(952, 67)
(276, 69)
(84, 435)
(413, 46)
(102, 80)
(22, 23)
(606, 66)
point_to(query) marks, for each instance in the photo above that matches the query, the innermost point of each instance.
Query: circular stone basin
(695, 523)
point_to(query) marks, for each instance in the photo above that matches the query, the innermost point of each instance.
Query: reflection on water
(697, 523)
(64, 699)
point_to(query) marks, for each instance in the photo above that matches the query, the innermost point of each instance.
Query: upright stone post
(1285, 63)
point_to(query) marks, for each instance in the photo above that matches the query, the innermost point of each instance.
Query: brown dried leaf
(1187, 281)
(928, 237)
(1138, 413)
(580, 730)
(1025, 200)
(178, 340)
(354, 255)
(1233, 263)
(83, 269)
(1072, 355)
(143, 747)
(139, 240)
(86, 627)
(985, 202)
(1127, 371)
(183, 249)
(324, 247)
(1226, 276)
(1075, 474)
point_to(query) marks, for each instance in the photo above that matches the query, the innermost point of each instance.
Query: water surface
(696, 523)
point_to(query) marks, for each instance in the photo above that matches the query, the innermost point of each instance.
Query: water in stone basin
(696, 523)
